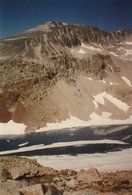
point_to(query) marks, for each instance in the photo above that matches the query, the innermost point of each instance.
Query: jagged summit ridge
(53, 38)
(47, 26)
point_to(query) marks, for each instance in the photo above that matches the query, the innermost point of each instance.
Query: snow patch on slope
(81, 51)
(37, 50)
(114, 54)
(127, 81)
(90, 47)
(14, 38)
(128, 52)
(128, 43)
(118, 103)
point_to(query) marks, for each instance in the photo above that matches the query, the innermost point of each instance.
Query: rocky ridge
(33, 179)
(35, 62)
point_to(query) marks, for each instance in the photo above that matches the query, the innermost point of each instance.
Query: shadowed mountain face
(57, 69)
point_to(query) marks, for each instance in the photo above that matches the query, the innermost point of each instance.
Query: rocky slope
(33, 179)
(57, 69)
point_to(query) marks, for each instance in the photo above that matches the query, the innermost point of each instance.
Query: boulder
(15, 184)
(21, 172)
(72, 183)
(4, 173)
(10, 192)
(32, 190)
(52, 190)
(39, 189)
(24, 168)
(82, 192)
(4, 190)
(89, 175)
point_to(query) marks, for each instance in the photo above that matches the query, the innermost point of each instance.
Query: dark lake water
(113, 132)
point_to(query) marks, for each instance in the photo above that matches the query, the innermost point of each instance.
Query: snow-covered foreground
(112, 161)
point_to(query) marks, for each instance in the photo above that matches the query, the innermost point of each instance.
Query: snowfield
(111, 161)
(12, 128)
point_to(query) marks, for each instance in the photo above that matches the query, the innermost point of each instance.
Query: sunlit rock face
(60, 72)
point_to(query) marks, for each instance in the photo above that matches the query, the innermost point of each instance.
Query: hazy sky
(19, 15)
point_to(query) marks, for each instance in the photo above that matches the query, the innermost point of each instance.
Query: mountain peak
(55, 23)
(48, 26)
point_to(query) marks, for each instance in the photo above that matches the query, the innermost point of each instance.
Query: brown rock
(88, 176)
(33, 190)
(10, 188)
(38, 189)
(72, 183)
(24, 168)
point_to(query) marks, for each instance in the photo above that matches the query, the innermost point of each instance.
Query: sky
(19, 15)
